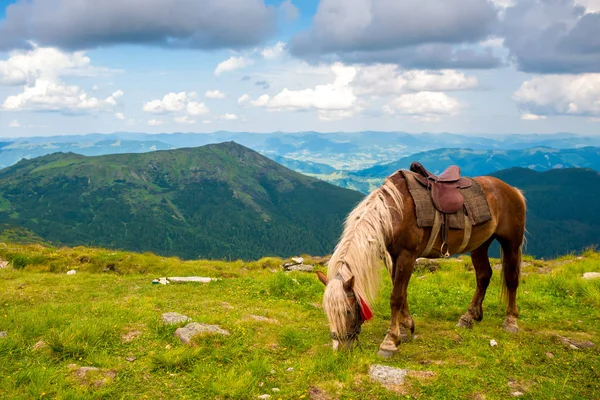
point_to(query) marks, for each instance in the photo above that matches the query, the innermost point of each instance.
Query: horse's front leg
(401, 324)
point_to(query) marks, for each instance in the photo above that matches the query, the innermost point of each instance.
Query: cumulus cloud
(77, 24)
(14, 124)
(120, 116)
(354, 86)
(24, 67)
(46, 95)
(214, 94)
(183, 105)
(232, 63)
(229, 117)
(560, 95)
(411, 33)
(384, 79)
(155, 122)
(40, 71)
(331, 96)
(427, 106)
(556, 36)
(275, 52)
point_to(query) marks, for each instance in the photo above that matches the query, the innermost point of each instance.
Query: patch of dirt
(260, 318)
(477, 396)
(130, 335)
(225, 304)
(434, 362)
(573, 344)
(40, 345)
(421, 374)
(318, 394)
(92, 376)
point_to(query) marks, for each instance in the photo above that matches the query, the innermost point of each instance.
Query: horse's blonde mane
(367, 232)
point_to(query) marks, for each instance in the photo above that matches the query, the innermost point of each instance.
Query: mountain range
(216, 201)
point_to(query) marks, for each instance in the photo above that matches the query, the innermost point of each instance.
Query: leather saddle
(445, 187)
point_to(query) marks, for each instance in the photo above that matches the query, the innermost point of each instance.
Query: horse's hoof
(511, 328)
(466, 323)
(386, 353)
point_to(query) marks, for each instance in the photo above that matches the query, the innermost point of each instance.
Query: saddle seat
(445, 187)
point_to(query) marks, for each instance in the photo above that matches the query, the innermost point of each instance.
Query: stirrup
(446, 254)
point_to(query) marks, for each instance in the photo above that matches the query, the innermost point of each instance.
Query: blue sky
(467, 66)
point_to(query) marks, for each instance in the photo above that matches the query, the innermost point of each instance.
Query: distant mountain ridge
(216, 201)
(346, 151)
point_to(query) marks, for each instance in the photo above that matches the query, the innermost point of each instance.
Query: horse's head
(343, 311)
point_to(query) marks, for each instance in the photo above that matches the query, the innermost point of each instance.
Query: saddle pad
(425, 210)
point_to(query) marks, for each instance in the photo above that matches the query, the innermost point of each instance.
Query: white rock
(493, 343)
(275, 389)
(298, 260)
(174, 318)
(71, 272)
(186, 333)
(3, 334)
(290, 369)
(201, 279)
(264, 396)
(517, 394)
(387, 375)
(591, 275)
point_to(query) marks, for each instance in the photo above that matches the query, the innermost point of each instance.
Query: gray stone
(264, 319)
(264, 396)
(3, 334)
(301, 267)
(71, 272)
(174, 318)
(3, 264)
(193, 329)
(591, 275)
(387, 375)
(298, 260)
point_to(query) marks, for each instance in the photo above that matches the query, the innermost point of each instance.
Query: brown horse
(384, 227)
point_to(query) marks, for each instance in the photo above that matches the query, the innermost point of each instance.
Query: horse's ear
(322, 278)
(349, 284)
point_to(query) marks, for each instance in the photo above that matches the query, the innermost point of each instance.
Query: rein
(357, 325)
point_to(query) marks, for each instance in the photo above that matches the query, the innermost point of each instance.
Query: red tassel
(365, 311)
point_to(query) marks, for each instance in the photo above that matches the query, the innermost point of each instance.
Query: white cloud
(387, 79)
(120, 116)
(155, 122)
(427, 106)
(214, 94)
(229, 117)
(195, 108)
(493, 42)
(57, 96)
(171, 102)
(231, 64)
(25, 67)
(185, 120)
(532, 117)
(275, 52)
(560, 95)
(39, 71)
(181, 103)
(14, 124)
(243, 99)
(262, 101)
(332, 96)
(206, 121)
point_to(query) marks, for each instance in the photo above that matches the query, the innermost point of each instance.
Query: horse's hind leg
(511, 268)
(483, 273)
(401, 324)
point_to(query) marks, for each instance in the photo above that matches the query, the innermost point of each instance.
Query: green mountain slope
(563, 214)
(215, 201)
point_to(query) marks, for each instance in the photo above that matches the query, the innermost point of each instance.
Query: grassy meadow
(108, 315)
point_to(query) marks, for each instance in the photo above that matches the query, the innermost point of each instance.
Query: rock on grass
(175, 318)
(188, 332)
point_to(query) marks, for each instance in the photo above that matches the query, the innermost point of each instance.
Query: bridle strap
(357, 326)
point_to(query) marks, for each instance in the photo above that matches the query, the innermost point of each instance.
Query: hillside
(108, 316)
(215, 201)
(563, 214)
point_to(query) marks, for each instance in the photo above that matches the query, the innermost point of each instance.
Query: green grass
(82, 319)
